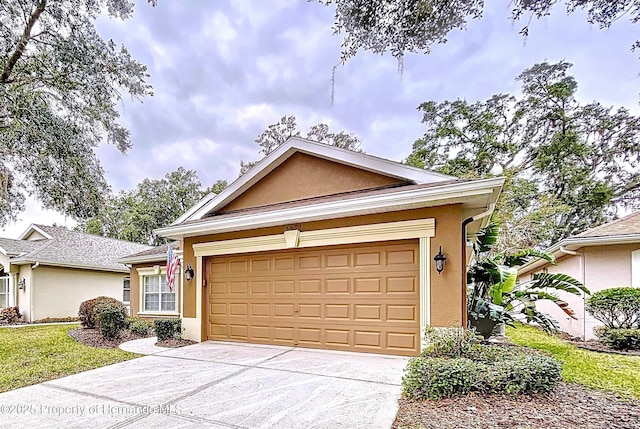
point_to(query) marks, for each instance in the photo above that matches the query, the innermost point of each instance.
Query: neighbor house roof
(420, 188)
(625, 230)
(155, 254)
(67, 248)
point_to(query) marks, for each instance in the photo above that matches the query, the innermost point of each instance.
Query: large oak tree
(569, 165)
(401, 26)
(60, 86)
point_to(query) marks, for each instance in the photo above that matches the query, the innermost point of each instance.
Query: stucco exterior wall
(604, 267)
(447, 289)
(24, 295)
(304, 176)
(58, 292)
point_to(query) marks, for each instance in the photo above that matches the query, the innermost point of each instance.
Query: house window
(126, 290)
(157, 296)
(4, 291)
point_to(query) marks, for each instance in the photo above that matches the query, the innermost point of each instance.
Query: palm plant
(495, 295)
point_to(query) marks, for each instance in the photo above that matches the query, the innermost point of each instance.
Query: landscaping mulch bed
(93, 338)
(175, 343)
(597, 346)
(568, 406)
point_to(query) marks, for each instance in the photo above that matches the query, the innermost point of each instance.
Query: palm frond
(528, 255)
(558, 281)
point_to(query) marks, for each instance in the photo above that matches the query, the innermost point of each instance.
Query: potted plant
(495, 297)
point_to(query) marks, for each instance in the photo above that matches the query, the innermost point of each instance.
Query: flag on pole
(172, 266)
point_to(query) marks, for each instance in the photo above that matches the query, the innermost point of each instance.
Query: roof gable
(69, 248)
(394, 172)
(304, 176)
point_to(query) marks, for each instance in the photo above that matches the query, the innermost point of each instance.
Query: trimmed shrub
(618, 338)
(138, 326)
(449, 342)
(110, 317)
(167, 328)
(617, 307)
(456, 362)
(10, 315)
(533, 373)
(437, 378)
(86, 313)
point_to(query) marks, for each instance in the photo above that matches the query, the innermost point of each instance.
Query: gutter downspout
(466, 222)
(31, 284)
(581, 256)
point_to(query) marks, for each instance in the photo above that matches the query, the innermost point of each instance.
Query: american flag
(172, 266)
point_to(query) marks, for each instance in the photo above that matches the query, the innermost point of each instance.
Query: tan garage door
(359, 298)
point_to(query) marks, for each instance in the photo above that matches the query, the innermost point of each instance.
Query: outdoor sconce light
(188, 272)
(22, 284)
(440, 260)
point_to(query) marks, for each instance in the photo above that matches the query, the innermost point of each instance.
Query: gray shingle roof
(623, 226)
(18, 247)
(75, 249)
(158, 253)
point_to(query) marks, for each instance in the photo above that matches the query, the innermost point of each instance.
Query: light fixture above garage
(440, 259)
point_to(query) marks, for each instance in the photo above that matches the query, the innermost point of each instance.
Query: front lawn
(39, 353)
(614, 373)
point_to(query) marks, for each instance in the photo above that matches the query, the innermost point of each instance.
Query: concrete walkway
(218, 385)
(143, 346)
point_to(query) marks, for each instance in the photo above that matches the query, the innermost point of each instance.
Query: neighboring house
(49, 270)
(601, 258)
(322, 247)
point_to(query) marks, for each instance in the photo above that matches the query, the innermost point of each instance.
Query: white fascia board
(31, 228)
(296, 144)
(456, 192)
(70, 265)
(576, 243)
(186, 215)
(144, 259)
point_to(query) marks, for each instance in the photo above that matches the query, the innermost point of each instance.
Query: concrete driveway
(219, 385)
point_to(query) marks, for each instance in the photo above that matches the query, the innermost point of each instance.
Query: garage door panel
(360, 298)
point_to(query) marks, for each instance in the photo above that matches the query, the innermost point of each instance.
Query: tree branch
(22, 44)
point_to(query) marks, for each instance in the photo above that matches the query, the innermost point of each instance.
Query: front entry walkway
(218, 385)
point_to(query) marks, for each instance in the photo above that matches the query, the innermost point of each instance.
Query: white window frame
(4, 281)
(150, 272)
(124, 282)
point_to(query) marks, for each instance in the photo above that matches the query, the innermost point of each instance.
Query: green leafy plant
(138, 326)
(10, 315)
(456, 362)
(495, 296)
(437, 378)
(86, 313)
(110, 317)
(616, 307)
(619, 338)
(167, 328)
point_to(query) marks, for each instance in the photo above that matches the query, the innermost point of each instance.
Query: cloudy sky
(224, 70)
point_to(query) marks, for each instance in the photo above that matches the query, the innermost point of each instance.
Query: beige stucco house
(601, 258)
(325, 248)
(48, 271)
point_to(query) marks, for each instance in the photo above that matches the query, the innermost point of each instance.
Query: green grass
(35, 354)
(609, 372)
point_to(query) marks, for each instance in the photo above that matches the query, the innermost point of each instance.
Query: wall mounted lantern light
(440, 260)
(22, 284)
(188, 272)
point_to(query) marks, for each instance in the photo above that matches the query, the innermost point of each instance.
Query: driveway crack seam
(92, 395)
(213, 383)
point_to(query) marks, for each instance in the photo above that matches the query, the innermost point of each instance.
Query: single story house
(601, 258)
(48, 271)
(322, 247)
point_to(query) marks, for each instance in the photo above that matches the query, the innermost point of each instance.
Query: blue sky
(222, 71)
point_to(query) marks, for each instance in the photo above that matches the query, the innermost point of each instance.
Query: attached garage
(326, 248)
(357, 298)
